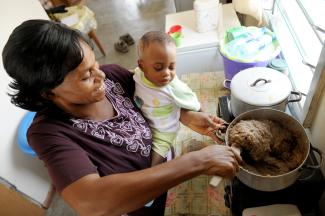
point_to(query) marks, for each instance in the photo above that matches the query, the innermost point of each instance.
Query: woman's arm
(121, 193)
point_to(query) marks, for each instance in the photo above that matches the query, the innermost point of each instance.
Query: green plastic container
(279, 64)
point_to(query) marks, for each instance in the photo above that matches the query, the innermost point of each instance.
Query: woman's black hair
(38, 55)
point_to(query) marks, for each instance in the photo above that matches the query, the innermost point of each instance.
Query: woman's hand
(220, 160)
(202, 123)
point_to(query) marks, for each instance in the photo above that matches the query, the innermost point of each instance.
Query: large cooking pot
(260, 87)
(278, 182)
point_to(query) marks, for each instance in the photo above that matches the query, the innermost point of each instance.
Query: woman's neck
(98, 111)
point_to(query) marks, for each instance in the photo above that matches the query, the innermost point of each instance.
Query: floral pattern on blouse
(127, 129)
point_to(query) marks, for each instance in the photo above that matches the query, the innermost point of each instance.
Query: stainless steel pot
(274, 183)
(260, 87)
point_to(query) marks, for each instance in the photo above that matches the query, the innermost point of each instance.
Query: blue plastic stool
(22, 134)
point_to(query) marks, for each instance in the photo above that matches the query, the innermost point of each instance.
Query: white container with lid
(206, 13)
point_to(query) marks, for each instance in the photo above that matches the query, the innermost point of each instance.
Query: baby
(159, 93)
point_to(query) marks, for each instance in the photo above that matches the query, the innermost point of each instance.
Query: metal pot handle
(319, 152)
(260, 79)
(221, 133)
(298, 93)
(311, 167)
(224, 83)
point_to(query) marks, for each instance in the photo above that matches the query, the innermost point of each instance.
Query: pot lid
(260, 86)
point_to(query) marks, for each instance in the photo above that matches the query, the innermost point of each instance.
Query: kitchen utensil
(260, 87)
(278, 182)
(174, 29)
(177, 37)
(215, 180)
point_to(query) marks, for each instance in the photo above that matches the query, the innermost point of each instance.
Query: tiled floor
(135, 17)
(116, 18)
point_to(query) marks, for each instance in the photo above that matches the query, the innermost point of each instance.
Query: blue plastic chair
(24, 147)
(22, 134)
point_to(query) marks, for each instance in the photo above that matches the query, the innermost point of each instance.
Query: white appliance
(199, 52)
(271, 210)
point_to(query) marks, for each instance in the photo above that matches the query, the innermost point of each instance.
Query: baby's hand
(219, 126)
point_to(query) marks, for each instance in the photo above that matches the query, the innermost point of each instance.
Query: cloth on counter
(196, 197)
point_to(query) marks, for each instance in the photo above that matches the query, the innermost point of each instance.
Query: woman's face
(83, 85)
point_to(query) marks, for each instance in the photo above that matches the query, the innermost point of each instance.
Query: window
(300, 29)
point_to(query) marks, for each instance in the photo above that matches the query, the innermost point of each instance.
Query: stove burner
(304, 193)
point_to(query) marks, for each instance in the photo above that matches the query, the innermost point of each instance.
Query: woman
(92, 138)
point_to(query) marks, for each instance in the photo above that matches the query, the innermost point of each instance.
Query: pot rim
(268, 176)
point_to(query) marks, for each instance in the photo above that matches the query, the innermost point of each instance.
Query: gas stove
(304, 193)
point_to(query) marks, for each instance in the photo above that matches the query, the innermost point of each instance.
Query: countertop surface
(195, 40)
(196, 196)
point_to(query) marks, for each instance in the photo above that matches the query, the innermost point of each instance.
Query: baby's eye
(158, 67)
(171, 67)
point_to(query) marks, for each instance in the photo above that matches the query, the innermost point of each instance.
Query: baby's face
(159, 63)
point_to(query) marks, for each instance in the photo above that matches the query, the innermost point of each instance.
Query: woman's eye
(86, 76)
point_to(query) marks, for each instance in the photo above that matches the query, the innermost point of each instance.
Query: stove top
(224, 109)
(304, 193)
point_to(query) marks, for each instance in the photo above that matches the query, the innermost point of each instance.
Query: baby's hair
(151, 37)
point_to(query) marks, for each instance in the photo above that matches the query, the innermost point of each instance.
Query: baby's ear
(140, 64)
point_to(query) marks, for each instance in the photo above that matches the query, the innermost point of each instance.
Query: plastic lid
(278, 64)
(260, 86)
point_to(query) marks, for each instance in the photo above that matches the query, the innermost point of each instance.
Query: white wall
(318, 129)
(318, 126)
(27, 174)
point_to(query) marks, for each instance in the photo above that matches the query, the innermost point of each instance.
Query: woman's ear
(48, 95)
